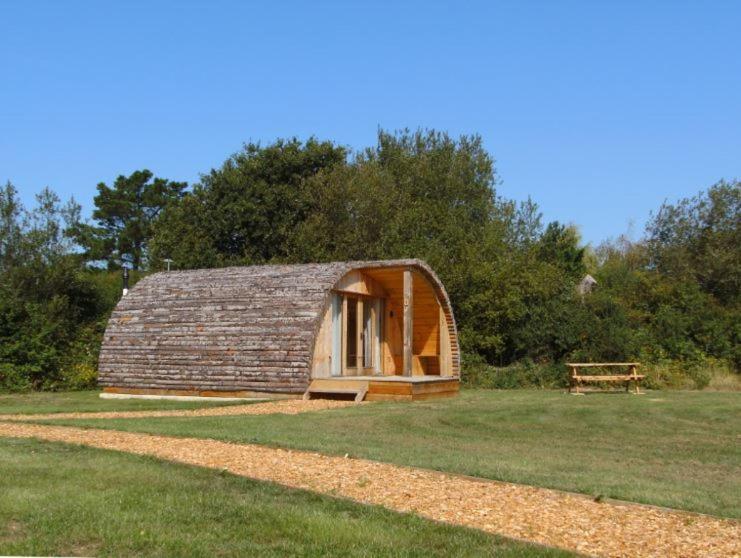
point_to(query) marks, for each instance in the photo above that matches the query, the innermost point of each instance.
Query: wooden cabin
(381, 330)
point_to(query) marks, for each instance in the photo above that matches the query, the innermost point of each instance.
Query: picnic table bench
(576, 379)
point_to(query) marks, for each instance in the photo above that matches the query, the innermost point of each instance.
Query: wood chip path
(285, 407)
(543, 516)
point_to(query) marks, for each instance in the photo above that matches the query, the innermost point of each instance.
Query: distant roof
(588, 280)
(586, 284)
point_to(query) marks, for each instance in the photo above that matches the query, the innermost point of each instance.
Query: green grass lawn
(58, 499)
(669, 448)
(90, 401)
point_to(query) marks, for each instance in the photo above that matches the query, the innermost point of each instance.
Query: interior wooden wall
(356, 282)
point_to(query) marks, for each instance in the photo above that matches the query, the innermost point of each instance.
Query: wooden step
(327, 387)
(338, 383)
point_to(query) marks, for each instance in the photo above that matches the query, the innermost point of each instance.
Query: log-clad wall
(229, 329)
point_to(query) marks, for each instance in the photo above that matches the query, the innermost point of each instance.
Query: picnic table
(576, 379)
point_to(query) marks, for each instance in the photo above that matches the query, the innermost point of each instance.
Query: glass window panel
(336, 335)
(378, 305)
(352, 329)
(367, 332)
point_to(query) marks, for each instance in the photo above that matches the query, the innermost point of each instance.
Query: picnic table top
(594, 364)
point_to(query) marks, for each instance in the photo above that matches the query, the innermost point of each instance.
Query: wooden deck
(385, 388)
(360, 388)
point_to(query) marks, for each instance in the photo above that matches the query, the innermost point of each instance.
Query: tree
(45, 298)
(246, 210)
(699, 238)
(421, 194)
(526, 224)
(125, 216)
(10, 226)
(50, 225)
(560, 246)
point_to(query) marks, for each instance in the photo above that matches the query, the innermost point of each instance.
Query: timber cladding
(231, 329)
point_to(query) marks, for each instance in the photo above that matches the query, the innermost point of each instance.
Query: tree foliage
(245, 211)
(45, 296)
(125, 214)
(698, 239)
(672, 296)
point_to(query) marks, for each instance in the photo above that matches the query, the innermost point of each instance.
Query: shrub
(723, 376)
(14, 378)
(524, 374)
(80, 376)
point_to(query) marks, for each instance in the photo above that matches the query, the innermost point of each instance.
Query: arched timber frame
(238, 330)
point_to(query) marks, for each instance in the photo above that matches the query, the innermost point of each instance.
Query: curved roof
(227, 329)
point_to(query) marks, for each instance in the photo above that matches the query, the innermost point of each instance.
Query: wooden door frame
(360, 369)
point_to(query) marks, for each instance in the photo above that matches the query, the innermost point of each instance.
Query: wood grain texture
(232, 329)
(407, 333)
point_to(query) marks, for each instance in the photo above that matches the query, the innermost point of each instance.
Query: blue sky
(598, 110)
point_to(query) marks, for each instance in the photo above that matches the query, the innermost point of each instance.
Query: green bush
(14, 378)
(670, 374)
(525, 374)
(80, 376)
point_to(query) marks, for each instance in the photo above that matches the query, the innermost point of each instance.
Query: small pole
(125, 280)
(168, 261)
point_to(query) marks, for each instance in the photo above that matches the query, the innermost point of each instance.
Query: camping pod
(363, 330)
